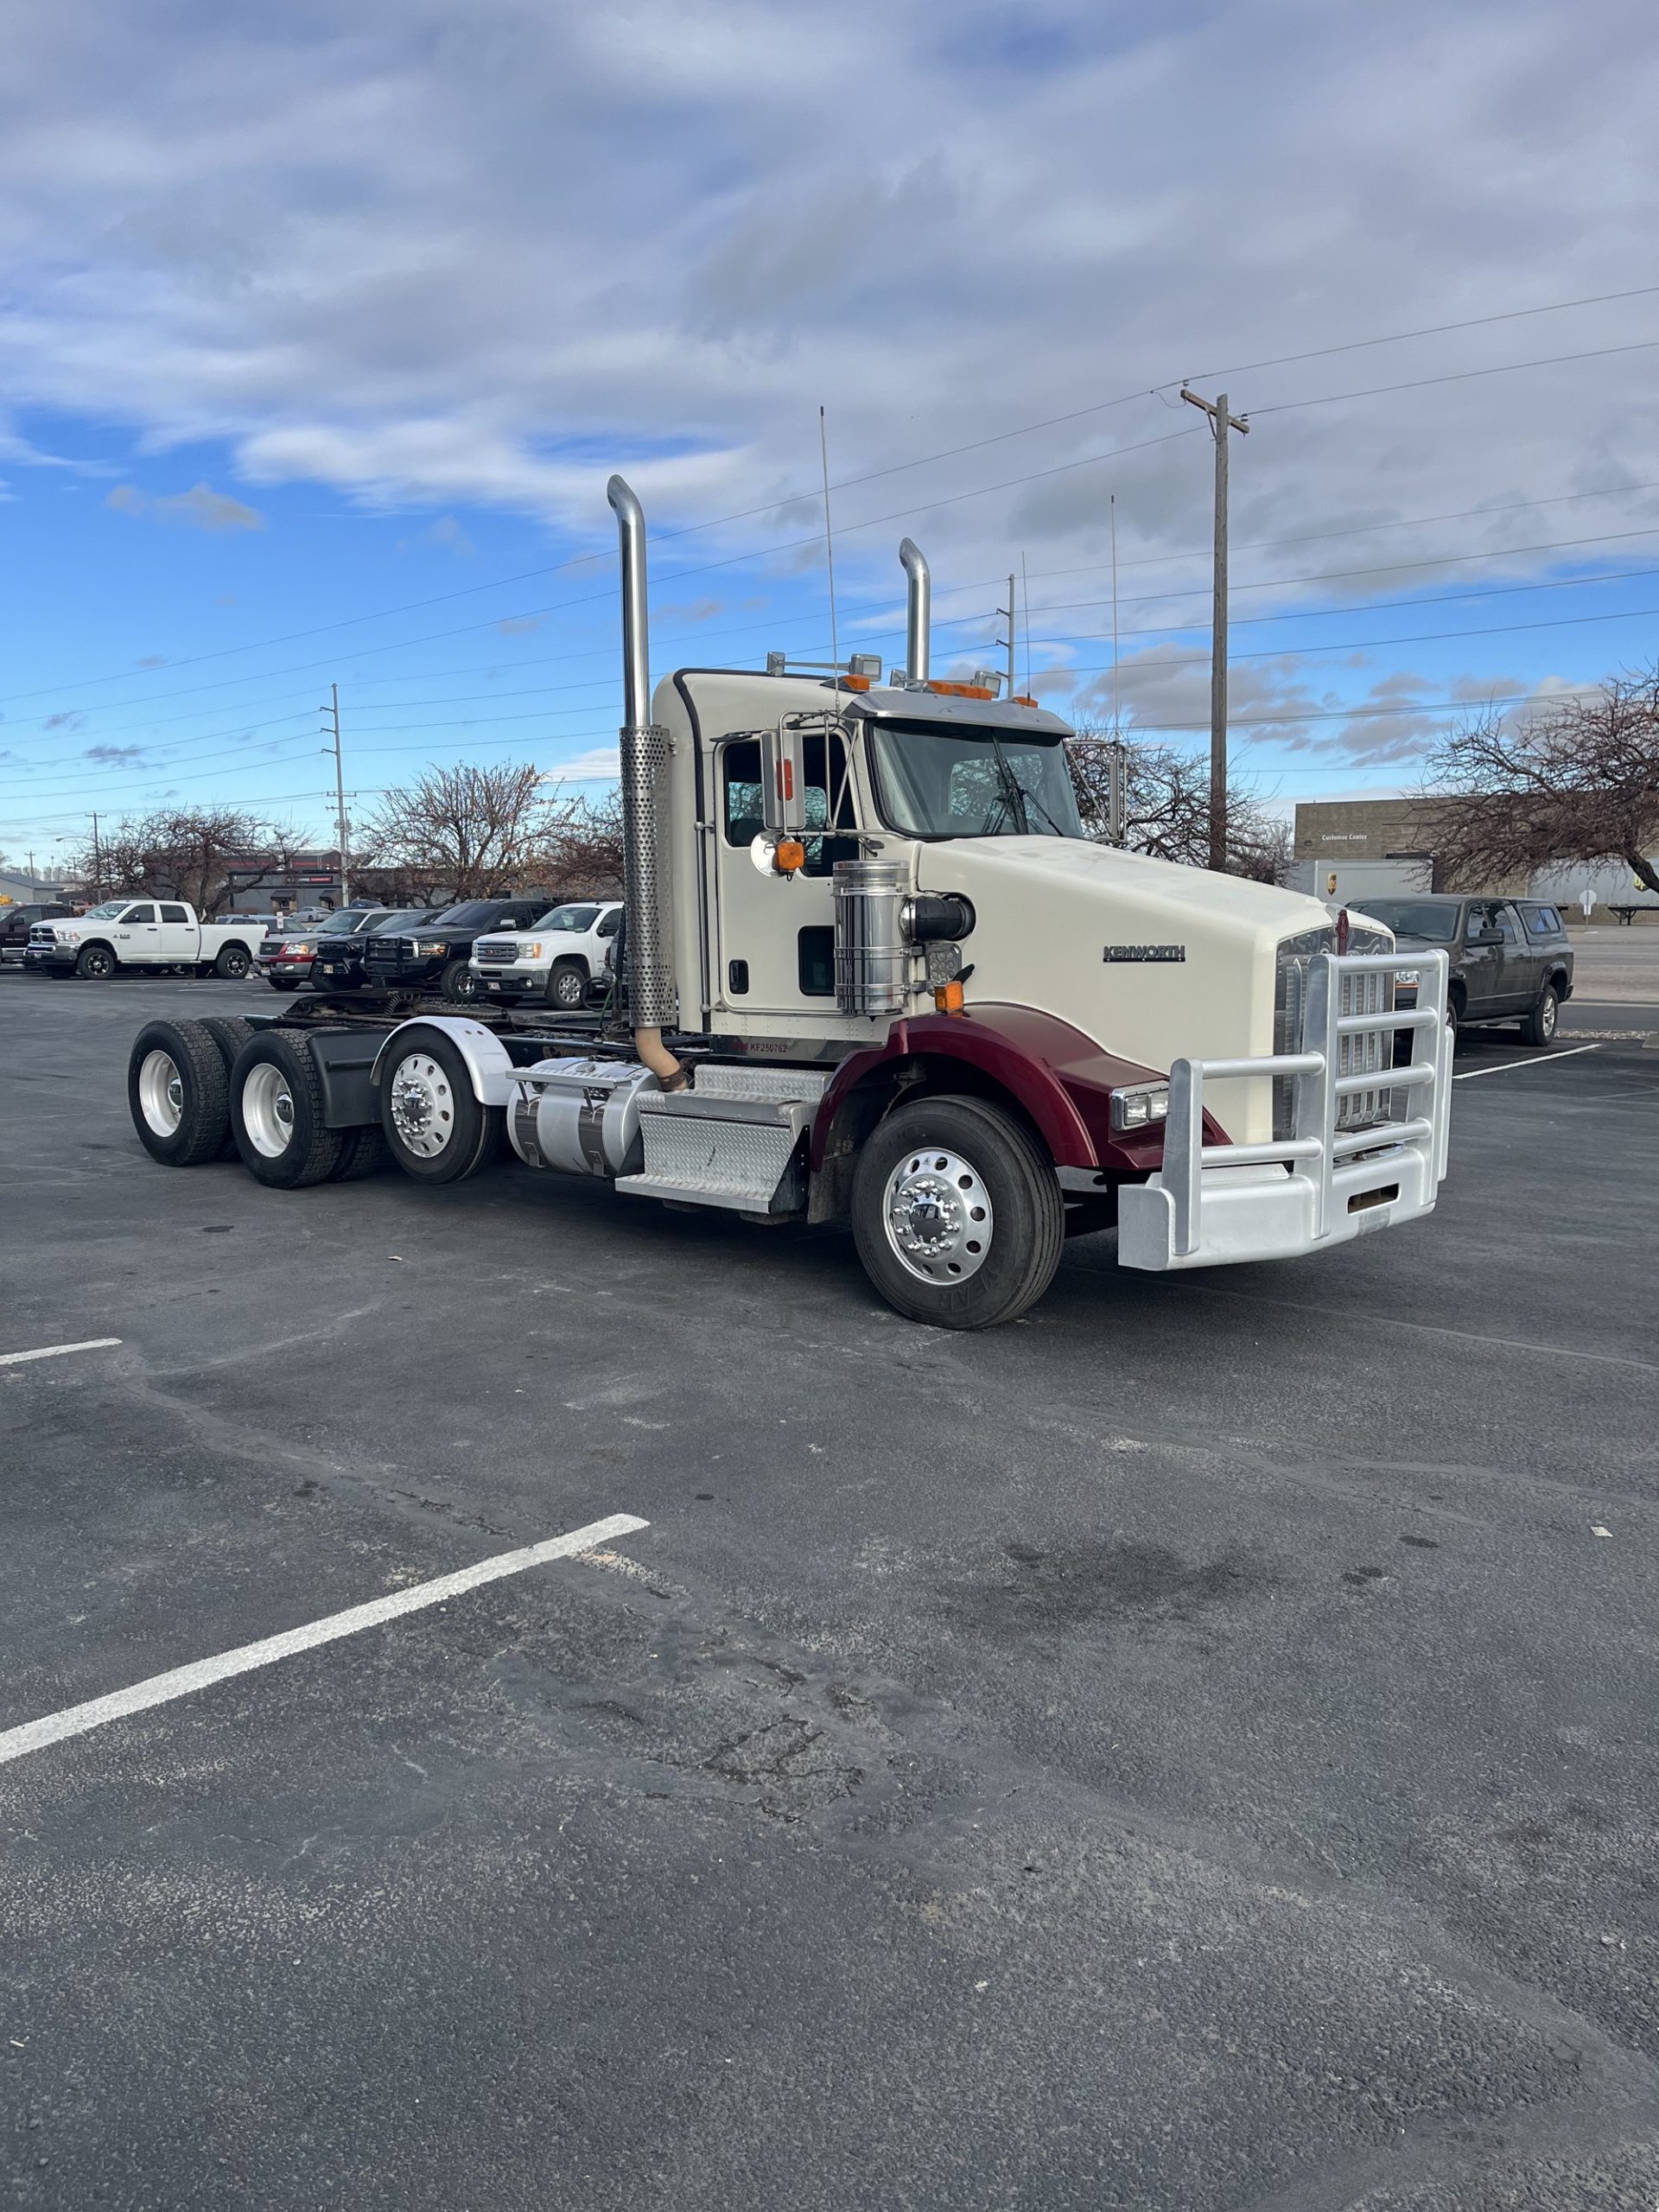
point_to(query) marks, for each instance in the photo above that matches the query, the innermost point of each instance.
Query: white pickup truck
(140, 933)
(556, 959)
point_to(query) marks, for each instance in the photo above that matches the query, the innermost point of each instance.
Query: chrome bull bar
(1330, 1177)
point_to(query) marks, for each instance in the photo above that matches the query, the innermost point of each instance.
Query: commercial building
(1348, 849)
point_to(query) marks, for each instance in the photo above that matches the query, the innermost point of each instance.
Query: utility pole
(1220, 422)
(98, 865)
(1007, 643)
(332, 728)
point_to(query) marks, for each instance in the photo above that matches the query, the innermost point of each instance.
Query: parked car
(1510, 958)
(339, 965)
(140, 933)
(15, 923)
(558, 959)
(436, 958)
(288, 956)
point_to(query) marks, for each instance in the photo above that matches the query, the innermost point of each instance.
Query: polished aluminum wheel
(422, 1109)
(938, 1218)
(268, 1109)
(160, 1094)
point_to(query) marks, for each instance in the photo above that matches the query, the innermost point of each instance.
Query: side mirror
(783, 783)
(1487, 937)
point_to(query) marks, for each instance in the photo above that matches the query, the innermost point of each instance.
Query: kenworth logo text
(1176, 952)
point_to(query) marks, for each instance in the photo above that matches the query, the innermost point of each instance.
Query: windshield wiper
(1011, 800)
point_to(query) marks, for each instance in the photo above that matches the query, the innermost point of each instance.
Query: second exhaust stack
(918, 618)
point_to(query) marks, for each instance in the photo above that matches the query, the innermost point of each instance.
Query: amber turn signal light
(948, 998)
(790, 857)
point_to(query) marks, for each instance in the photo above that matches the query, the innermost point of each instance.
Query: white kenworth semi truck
(871, 968)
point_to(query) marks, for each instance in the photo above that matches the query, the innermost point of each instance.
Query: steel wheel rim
(268, 1109)
(937, 1216)
(99, 963)
(1546, 1014)
(422, 1106)
(160, 1093)
(465, 985)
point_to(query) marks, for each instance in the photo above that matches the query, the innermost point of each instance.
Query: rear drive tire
(364, 1152)
(96, 962)
(566, 987)
(458, 983)
(435, 1129)
(957, 1213)
(230, 1032)
(277, 1113)
(233, 962)
(1538, 1027)
(178, 1093)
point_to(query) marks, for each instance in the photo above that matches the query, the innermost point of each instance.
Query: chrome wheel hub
(938, 1215)
(422, 1106)
(160, 1094)
(268, 1110)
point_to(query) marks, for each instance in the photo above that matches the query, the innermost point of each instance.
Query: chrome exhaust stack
(918, 618)
(651, 999)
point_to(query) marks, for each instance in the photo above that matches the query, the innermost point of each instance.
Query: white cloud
(599, 765)
(443, 259)
(201, 507)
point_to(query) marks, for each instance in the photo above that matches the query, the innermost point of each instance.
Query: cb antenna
(1117, 690)
(829, 553)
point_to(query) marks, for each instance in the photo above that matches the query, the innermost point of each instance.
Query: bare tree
(1166, 806)
(1576, 779)
(476, 832)
(182, 853)
(584, 847)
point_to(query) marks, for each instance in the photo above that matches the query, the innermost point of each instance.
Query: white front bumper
(1327, 1182)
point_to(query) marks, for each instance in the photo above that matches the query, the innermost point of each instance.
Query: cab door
(137, 934)
(176, 937)
(776, 933)
(1483, 959)
(1524, 960)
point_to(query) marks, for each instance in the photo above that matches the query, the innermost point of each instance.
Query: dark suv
(341, 961)
(433, 956)
(1510, 959)
(15, 922)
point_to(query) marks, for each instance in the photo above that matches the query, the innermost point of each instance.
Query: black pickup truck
(433, 956)
(1510, 959)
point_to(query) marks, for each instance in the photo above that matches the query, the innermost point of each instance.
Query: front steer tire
(458, 983)
(566, 987)
(95, 963)
(997, 1171)
(277, 1113)
(436, 1129)
(178, 1093)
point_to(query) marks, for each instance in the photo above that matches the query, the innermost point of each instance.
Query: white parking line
(56, 1352)
(1508, 1067)
(181, 1682)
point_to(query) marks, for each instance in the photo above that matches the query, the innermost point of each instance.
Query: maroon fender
(1062, 1079)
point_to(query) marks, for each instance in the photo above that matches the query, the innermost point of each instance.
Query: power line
(952, 452)
(1458, 376)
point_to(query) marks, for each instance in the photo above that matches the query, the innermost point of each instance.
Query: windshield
(398, 920)
(349, 918)
(1435, 918)
(107, 912)
(579, 918)
(471, 914)
(935, 781)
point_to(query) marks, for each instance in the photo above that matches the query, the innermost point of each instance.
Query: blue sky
(321, 333)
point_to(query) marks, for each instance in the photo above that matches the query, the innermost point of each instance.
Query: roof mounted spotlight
(866, 665)
(987, 679)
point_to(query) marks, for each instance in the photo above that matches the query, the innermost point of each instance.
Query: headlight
(430, 945)
(528, 952)
(1136, 1109)
(299, 952)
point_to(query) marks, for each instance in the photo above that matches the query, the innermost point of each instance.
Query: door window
(174, 914)
(1542, 921)
(609, 924)
(1481, 918)
(828, 797)
(134, 915)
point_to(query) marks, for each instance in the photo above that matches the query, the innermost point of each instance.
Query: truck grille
(386, 951)
(494, 956)
(1371, 1051)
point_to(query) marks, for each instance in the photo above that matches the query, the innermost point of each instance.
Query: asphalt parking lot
(1194, 1749)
